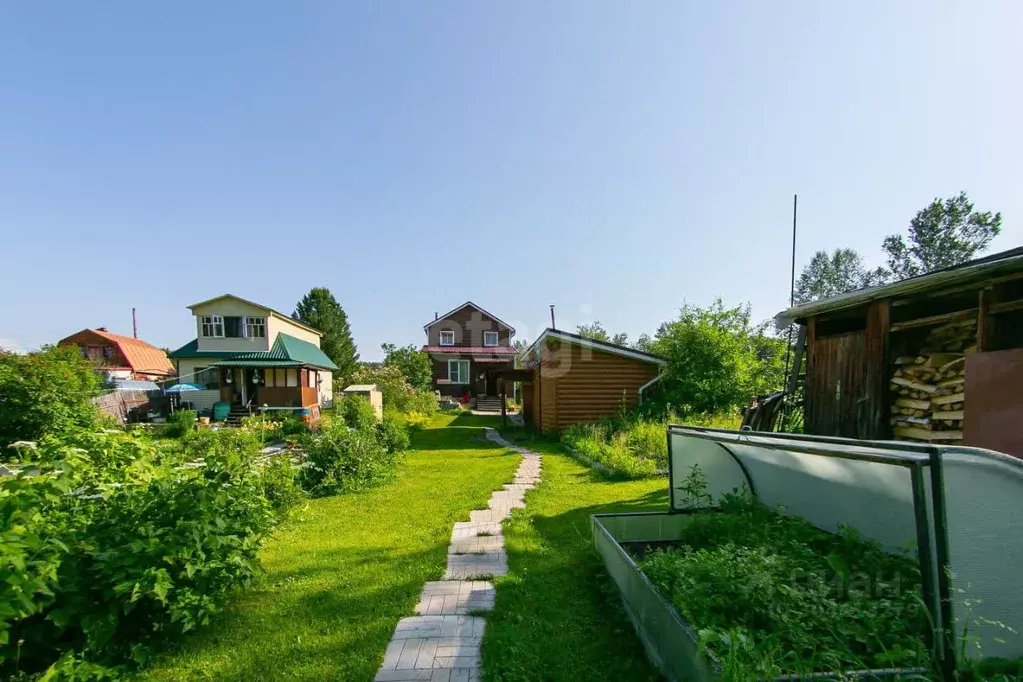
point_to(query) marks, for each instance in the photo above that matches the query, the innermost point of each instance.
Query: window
(209, 377)
(458, 371)
(312, 378)
(94, 352)
(212, 326)
(447, 337)
(233, 327)
(255, 327)
(292, 377)
(108, 352)
(489, 338)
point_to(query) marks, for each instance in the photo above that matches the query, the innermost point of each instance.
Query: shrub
(180, 423)
(142, 546)
(45, 392)
(342, 459)
(416, 420)
(393, 433)
(235, 444)
(280, 484)
(356, 412)
(397, 393)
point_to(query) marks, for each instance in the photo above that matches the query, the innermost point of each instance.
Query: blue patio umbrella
(181, 388)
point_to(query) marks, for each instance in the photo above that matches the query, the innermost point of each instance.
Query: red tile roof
(472, 350)
(142, 357)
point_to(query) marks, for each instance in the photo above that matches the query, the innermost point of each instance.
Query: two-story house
(469, 348)
(120, 357)
(253, 357)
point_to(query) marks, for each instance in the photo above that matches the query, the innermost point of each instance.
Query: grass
(340, 575)
(558, 615)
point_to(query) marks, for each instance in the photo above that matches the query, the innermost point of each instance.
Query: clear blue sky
(614, 158)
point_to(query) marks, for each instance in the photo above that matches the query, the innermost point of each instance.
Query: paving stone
(455, 597)
(487, 544)
(468, 529)
(465, 566)
(488, 515)
(423, 645)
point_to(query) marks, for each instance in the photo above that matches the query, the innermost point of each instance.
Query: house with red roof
(121, 357)
(470, 348)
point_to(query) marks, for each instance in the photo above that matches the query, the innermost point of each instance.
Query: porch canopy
(287, 351)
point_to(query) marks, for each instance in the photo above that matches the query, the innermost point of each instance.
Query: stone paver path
(442, 641)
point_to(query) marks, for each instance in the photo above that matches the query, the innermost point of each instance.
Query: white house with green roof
(252, 357)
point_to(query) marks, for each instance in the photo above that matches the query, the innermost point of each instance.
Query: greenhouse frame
(957, 510)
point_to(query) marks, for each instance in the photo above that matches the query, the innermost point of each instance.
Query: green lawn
(558, 615)
(341, 574)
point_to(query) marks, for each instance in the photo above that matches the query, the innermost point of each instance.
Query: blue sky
(613, 158)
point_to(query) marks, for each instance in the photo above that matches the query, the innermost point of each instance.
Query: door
(837, 399)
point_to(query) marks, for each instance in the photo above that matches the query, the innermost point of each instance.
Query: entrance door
(837, 401)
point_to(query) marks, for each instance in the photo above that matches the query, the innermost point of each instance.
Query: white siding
(326, 387)
(229, 307)
(277, 324)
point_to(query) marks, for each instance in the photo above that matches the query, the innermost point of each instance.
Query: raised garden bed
(751, 594)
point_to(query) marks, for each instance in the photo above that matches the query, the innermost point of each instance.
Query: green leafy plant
(394, 433)
(772, 594)
(342, 459)
(180, 423)
(356, 412)
(44, 393)
(280, 483)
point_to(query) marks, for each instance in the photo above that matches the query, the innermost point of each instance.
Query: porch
(253, 387)
(480, 377)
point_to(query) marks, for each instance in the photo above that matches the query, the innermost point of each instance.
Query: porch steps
(234, 417)
(488, 404)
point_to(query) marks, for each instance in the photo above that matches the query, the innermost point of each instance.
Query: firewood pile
(928, 388)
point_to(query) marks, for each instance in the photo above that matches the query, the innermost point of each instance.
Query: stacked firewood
(928, 388)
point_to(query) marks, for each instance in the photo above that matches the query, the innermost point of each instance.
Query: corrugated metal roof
(471, 350)
(256, 363)
(287, 351)
(494, 360)
(996, 263)
(612, 348)
(143, 357)
(361, 388)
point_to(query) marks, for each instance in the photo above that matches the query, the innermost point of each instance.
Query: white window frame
(490, 335)
(447, 333)
(458, 371)
(254, 324)
(211, 323)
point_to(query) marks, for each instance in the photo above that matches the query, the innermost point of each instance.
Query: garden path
(442, 641)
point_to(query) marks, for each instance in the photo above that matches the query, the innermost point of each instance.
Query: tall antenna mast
(792, 302)
(134, 324)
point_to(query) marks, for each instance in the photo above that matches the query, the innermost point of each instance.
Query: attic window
(447, 337)
(212, 326)
(489, 338)
(255, 327)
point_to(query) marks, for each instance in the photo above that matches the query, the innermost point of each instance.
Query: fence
(123, 405)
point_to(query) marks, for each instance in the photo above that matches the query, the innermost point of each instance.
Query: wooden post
(982, 310)
(504, 404)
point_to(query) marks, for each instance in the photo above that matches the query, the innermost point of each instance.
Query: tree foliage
(717, 359)
(320, 310)
(942, 234)
(828, 275)
(414, 364)
(45, 392)
(595, 330)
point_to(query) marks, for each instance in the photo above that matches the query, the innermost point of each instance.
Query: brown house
(121, 357)
(576, 379)
(936, 358)
(469, 348)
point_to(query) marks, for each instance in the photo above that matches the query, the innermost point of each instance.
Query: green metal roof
(287, 351)
(257, 363)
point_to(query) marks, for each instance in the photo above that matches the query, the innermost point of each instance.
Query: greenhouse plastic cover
(815, 478)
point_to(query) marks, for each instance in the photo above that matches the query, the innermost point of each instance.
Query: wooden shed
(936, 358)
(576, 379)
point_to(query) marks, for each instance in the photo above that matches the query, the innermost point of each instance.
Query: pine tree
(321, 311)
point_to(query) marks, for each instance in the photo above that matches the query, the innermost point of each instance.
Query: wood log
(947, 414)
(914, 432)
(913, 404)
(956, 363)
(952, 382)
(948, 399)
(914, 385)
(909, 360)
